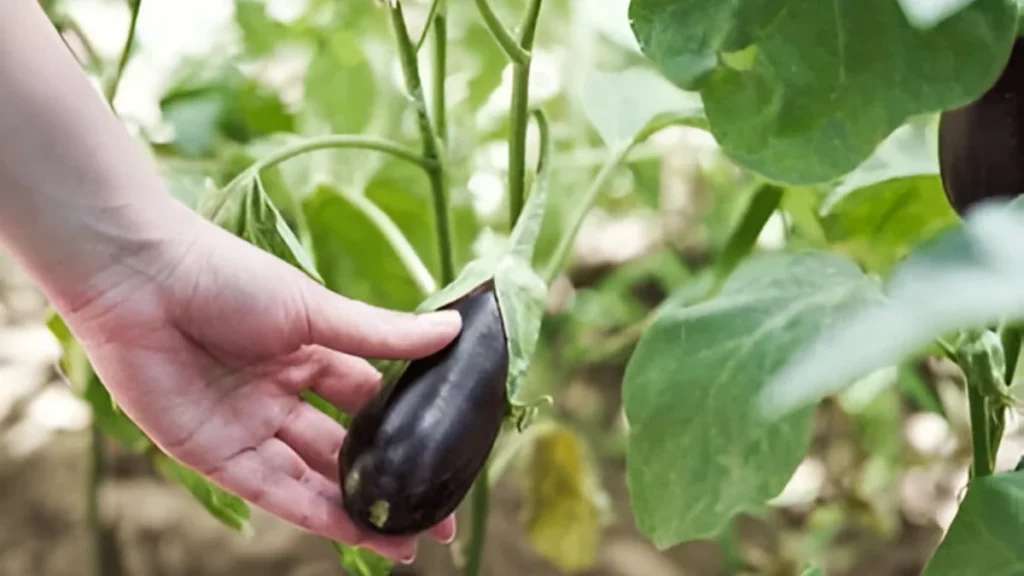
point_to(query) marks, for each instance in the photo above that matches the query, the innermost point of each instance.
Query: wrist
(80, 252)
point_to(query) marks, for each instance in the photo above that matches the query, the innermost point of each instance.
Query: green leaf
(361, 253)
(265, 227)
(880, 225)
(231, 510)
(813, 571)
(620, 104)
(223, 104)
(522, 297)
(699, 451)
(86, 384)
(803, 92)
(911, 150)
(402, 191)
(362, 562)
(969, 276)
(984, 537)
(564, 504)
(244, 209)
(259, 32)
(340, 83)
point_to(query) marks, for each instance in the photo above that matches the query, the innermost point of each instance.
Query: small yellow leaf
(563, 515)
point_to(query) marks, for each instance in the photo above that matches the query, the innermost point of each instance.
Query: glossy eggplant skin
(412, 454)
(981, 151)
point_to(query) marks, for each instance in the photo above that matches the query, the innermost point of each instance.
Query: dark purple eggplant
(981, 152)
(412, 454)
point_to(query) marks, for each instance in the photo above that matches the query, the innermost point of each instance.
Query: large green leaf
(699, 451)
(361, 253)
(340, 83)
(803, 91)
(968, 276)
(879, 225)
(984, 537)
(620, 104)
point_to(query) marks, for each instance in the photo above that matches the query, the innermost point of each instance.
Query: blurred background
(213, 84)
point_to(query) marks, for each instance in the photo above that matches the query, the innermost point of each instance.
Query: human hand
(205, 341)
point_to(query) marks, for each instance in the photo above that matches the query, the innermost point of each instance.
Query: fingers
(274, 478)
(317, 439)
(346, 381)
(367, 331)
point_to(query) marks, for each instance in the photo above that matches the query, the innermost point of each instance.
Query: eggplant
(981, 153)
(413, 452)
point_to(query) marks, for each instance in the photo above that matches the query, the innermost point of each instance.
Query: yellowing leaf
(564, 503)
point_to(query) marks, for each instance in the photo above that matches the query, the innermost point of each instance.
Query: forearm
(80, 199)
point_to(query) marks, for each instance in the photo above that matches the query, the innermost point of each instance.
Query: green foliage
(362, 562)
(385, 271)
(699, 450)
(803, 92)
(228, 508)
(985, 534)
(826, 114)
(975, 261)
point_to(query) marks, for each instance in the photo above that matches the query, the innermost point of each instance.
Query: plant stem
(100, 566)
(432, 150)
(519, 117)
(1012, 337)
(980, 433)
(568, 238)
(426, 25)
(334, 141)
(111, 88)
(513, 50)
(478, 525)
(399, 243)
(441, 71)
(743, 238)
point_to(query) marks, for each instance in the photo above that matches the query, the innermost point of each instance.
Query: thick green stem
(980, 433)
(441, 71)
(432, 149)
(115, 81)
(515, 53)
(743, 238)
(480, 508)
(519, 117)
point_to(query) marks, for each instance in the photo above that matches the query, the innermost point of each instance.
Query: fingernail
(408, 559)
(451, 538)
(443, 318)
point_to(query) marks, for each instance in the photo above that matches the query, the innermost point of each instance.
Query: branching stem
(433, 151)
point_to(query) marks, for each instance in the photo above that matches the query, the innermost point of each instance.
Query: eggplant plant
(882, 139)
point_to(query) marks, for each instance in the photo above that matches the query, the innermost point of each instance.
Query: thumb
(359, 329)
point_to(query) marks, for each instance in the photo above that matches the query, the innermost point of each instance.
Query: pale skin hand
(204, 340)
